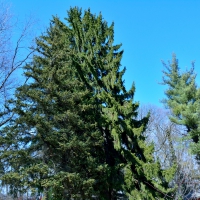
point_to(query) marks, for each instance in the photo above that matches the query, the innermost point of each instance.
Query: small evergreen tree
(76, 134)
(183, 99)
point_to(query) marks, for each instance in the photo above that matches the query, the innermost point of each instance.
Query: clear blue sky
(149, 30)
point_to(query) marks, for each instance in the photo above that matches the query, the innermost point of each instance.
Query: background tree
(171, 147)
(14, 52)
(76, 133)
(11, 57)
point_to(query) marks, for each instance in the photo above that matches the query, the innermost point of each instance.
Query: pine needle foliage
(183, 99)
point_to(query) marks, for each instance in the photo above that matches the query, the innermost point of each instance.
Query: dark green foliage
(57, 136)
(76, 135)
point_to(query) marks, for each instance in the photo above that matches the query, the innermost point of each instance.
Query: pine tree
(183, 98)
(76, 134)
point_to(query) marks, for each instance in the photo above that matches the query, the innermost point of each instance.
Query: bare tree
(16, 48)
(172, 147)
(14, 52)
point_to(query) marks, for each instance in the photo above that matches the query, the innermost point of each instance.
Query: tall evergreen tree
(183, 99)
(76, 134)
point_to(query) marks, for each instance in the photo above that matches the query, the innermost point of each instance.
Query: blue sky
(149, 30)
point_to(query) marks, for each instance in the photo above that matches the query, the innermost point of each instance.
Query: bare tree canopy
(171, 147)
(14, 52)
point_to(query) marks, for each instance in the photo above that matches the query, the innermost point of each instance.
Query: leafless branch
(172, 147)
(14, 53)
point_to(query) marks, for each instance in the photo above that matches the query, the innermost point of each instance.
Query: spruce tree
(76, 134)
(118, 110)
